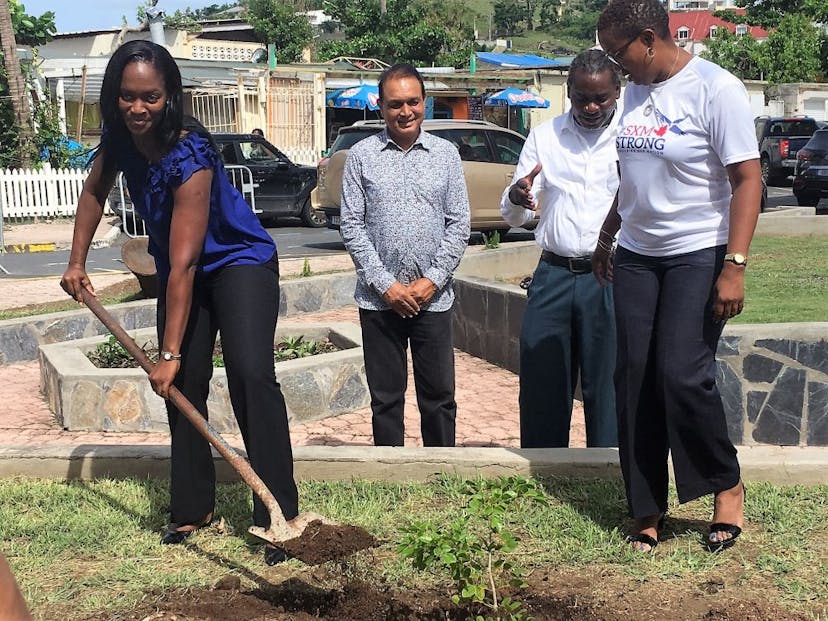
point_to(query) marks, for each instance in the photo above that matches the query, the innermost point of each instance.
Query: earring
(650, 52)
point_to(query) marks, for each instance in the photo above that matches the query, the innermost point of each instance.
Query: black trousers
(385, 338)
(665, 382)
(568, 329)
(242, 303)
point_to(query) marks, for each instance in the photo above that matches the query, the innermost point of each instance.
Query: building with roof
(691, 28)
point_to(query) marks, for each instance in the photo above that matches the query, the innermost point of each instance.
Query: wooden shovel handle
(239, 464)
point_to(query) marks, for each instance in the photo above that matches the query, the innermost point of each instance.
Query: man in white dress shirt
(568, 169)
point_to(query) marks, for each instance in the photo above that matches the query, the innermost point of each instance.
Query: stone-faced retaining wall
(85, 397)
(774, 383)
(773, 377)
(20, 338)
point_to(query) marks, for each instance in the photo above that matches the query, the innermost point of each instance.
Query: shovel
(280, 529)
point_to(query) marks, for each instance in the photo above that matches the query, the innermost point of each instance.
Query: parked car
(810, 182)
(281, 188)
(489, 154)
(779, 141)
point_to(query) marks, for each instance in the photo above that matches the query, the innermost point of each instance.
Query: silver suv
(489, 153)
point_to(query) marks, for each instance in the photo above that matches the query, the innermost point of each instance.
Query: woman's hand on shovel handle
(162, 375)
(74, 279)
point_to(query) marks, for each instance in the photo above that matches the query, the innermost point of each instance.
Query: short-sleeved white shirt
(675, 140)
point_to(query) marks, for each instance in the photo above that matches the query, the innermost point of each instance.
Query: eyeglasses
(618, 54)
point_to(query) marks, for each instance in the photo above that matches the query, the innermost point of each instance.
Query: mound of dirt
(548, 598)
(328, 542)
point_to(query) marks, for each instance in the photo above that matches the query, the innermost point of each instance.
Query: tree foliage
(792, 52)
(795, 51)
(743, 56)
(422, 32)
(511, 16)
(277, 22)
(28, 30)
(770, 13)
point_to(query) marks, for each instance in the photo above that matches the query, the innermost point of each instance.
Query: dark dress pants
(568, 329)
(242, 303)
(666, 379)
(385, 338)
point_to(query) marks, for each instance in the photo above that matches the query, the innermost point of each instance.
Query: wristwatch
(167, 356)
(736, 258)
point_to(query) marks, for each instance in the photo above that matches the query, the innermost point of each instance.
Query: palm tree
(17, 86)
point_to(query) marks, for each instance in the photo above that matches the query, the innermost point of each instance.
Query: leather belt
(576, 265)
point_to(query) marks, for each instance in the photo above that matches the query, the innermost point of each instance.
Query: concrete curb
(108, 239)
(102, 242)
(781, 465)
(33, 247)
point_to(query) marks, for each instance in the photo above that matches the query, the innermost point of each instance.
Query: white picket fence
(45, 193)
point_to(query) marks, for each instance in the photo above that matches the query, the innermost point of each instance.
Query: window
(713, 30)
(741, 30)
(470, 143)
(259, 153)
(507, 147)
(683, 33)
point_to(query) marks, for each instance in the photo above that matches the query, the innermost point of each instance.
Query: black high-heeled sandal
(715, 545)
(173, 535)
(647, 539)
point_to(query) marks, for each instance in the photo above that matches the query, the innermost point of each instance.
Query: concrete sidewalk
(486, 394)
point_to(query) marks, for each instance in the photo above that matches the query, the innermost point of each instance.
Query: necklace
(673, 67)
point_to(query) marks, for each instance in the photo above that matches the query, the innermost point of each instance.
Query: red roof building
(691, 28)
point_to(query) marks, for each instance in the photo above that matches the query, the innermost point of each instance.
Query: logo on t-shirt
(649, 138)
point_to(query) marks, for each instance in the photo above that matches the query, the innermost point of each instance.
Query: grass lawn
(85, 548)
(786, 281)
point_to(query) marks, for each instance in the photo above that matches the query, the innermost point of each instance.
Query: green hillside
(574, 32)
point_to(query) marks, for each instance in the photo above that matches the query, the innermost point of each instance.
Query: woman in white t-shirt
(686, 209)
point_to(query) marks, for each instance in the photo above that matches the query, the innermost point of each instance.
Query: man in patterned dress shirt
(405, 221)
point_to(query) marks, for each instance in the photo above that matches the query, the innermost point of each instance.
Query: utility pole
(17, 86)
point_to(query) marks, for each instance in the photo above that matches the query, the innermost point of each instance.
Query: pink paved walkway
(486, 402)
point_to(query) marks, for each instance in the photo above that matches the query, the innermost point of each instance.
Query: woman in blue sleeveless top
(218, 272)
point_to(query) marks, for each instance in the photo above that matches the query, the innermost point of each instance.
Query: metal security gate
(229, 110)
(292, 124)
(132, 224)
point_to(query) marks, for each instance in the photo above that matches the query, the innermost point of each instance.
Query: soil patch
(327, 542)
(551, 597)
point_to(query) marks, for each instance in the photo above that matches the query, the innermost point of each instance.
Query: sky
(74, 15)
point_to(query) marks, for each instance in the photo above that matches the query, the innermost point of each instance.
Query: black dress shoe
(274, 556)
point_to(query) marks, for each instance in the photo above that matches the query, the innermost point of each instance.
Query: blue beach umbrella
(517, 98)
(360, 97)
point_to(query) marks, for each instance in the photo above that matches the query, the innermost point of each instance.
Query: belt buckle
(573, 261)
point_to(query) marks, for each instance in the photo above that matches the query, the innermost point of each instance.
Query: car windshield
(347, 139)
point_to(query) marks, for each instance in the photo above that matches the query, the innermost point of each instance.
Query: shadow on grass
(233, 505)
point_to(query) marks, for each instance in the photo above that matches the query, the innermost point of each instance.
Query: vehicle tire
(807, 200)
(311, 217)
(768, 176)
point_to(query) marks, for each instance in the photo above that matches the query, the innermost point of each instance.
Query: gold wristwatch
(736, 258)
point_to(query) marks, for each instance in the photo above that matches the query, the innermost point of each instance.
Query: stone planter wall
(20, 338)
(84, 397)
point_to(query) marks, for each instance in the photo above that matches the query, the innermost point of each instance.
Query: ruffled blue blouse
(234, 234)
